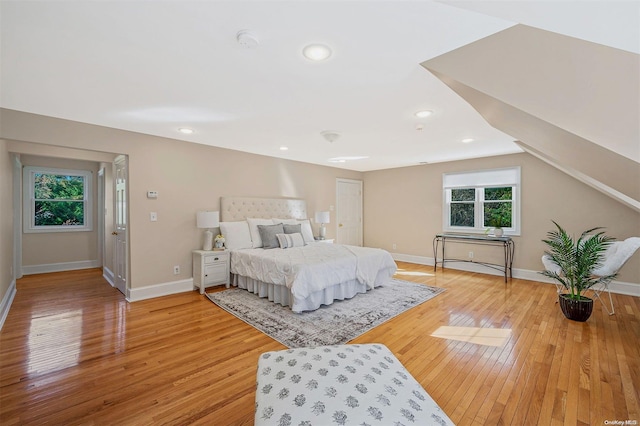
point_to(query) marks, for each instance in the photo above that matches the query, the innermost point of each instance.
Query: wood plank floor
(73, 351)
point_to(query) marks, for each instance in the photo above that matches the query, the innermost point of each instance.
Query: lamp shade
(208, 219)
(322, 217)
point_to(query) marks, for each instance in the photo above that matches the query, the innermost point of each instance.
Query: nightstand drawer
(215, 273)
(208, 260)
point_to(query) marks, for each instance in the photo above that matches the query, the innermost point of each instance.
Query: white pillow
(253, 229)
(284, 221)
(236, 234)
(307, 232)
(290, 240)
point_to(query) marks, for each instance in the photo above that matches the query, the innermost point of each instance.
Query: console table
(505, 242)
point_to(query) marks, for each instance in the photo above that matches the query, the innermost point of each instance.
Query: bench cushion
(343, 385)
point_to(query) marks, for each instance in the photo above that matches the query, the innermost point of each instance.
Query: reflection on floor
(480, 336)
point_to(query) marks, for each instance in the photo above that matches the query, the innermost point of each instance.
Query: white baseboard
(410, 258)
(7, 300)
(619, 287)
(158, 290)
(108, 275)
(58, 267)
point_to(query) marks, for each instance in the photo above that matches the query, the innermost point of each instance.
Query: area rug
(335, 324)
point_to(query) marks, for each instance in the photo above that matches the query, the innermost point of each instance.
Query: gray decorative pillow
(292, 229)
(268, 235)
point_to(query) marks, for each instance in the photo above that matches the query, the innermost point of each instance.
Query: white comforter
(314, 267)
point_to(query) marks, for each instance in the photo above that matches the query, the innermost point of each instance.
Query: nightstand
(326, 241)
(210, 268)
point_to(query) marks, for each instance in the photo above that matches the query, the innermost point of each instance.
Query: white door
(349, 211)
(120, 226)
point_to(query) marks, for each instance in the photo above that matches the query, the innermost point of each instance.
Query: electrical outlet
(470, 255)
(394, 246)
(176, 270)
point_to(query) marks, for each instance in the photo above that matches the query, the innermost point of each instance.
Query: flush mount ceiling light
(467, 140)
(330, 135)
(185, 130)
(247, 40)
(284, 148)
(423, 113)
(316, 52)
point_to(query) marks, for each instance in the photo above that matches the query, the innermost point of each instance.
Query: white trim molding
(618, 287)
(59, 267)
(108, 275)
(158, 290)
(7, 300)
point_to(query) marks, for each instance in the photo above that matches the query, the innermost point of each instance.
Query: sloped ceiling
(570, 102)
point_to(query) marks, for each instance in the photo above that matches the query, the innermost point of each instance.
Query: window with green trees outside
(58, 199)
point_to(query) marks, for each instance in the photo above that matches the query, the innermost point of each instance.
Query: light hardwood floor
(73, 351)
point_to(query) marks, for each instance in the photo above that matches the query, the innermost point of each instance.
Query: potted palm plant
(572, 263)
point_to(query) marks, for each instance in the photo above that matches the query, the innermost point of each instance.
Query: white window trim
(28, 209)
(480, 179)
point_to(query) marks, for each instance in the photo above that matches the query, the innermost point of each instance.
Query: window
(472, 200)
(56, 200)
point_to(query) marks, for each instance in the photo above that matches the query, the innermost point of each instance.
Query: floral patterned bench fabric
(341, 385)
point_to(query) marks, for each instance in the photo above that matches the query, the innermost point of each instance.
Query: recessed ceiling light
(424, 113)
(316, 52)
(185, 130)
(284, 148)
(467, 140)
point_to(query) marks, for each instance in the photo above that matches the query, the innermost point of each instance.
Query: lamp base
(208, 240)
(322, 232)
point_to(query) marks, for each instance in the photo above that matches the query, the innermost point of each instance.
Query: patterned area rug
(329, 325)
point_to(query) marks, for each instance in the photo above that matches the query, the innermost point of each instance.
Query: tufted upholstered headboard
(239, 208)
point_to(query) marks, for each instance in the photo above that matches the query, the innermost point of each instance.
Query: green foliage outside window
(59, 200)
(462, 207)
(498, 207)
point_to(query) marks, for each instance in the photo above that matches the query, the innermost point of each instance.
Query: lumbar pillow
(268, 235)
(290, 240)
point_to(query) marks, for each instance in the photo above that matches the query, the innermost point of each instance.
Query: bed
(298, 272)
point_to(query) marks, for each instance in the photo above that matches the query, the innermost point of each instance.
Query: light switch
(152, 194)
(153, 216)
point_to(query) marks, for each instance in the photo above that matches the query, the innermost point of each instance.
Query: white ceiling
(152, 67)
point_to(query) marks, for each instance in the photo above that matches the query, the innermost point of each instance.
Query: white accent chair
(614, 258)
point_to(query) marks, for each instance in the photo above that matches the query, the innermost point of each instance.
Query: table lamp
(208, 220)
(322, 218)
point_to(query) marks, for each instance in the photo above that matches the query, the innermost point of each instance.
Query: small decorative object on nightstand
(220, 240)
(210, 268)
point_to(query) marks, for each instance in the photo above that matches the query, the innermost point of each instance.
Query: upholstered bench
(341, 385)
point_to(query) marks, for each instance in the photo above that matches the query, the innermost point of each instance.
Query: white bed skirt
(282, 295)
